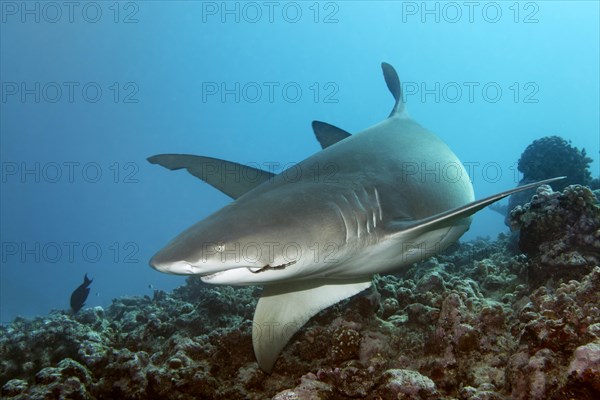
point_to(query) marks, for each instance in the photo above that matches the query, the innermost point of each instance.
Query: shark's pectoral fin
(284, 308)
(453, 217)
(229, 177)
(328, 134)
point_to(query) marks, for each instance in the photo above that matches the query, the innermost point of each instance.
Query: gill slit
(378, 203)
(369, 210)
(355, 213)
(341, 213)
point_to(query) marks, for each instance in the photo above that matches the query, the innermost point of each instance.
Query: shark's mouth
(254, 270)
(270, 268)
(207, 277)
(211, 275)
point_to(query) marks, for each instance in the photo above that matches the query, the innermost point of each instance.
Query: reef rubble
(480, 321)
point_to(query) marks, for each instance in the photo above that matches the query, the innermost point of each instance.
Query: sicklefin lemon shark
(365, 204)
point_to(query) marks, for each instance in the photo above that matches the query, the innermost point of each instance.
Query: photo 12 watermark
(267, 253)
(471, 92)
(455, 172)
(254, 12)
(454, 12)
(329, 172)
(70, 12)
(270, 92)
(217, 171)
(52, 172)
(90, 92)
(69, 252)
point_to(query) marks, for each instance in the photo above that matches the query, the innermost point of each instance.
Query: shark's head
(190, 254)
(245, 244)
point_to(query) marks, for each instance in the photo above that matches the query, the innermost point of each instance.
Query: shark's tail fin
(393, 83)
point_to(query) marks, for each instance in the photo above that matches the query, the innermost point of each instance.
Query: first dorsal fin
(229, 177)
(284, 308)
(451, 217)
(393, 83)
(328, 134)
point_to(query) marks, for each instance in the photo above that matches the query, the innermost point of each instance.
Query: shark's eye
(219, 248)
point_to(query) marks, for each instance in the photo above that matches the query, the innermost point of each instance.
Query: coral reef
(477, 322)
(550, 157)
(559, 231)
(553, 156)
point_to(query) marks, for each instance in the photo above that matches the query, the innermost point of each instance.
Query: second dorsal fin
(328, 134)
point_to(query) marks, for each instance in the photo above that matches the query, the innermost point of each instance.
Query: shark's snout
(171, 267)
(166, 262)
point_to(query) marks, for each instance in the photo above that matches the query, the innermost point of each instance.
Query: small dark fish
(79, 295)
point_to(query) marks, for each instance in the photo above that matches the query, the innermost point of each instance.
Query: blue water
(78, 196)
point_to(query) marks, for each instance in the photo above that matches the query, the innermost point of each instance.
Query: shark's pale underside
(369, 203)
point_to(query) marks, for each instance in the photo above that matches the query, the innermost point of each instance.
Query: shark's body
(368, 203)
